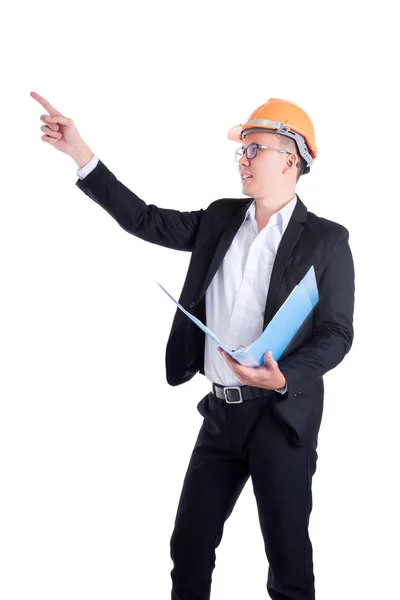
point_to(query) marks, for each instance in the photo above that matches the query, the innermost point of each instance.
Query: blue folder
(279, 331)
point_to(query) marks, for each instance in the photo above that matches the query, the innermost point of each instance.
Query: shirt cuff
(282, 390)
(88, 168)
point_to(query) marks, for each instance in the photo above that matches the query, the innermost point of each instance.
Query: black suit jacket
(324, 338)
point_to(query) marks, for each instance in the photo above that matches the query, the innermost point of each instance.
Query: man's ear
(291, 162)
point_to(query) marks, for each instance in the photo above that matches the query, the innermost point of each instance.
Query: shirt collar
(281, 217)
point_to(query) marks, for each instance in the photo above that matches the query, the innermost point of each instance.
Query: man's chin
(246, 190)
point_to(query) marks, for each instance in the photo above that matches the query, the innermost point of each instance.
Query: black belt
(237, 394)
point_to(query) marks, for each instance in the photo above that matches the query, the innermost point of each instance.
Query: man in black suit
(246, 257)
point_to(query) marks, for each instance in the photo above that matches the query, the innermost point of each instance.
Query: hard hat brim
(235, 133)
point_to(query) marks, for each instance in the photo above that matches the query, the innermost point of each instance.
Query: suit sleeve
(333, 323)
(162, 226)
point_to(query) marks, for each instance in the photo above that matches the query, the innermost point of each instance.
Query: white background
(94, 443)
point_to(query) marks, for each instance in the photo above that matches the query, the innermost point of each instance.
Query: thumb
(268, 358)
(58, 119)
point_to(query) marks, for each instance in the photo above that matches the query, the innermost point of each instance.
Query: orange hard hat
(285, 118)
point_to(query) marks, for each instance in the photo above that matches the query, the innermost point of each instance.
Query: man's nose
(244, 161)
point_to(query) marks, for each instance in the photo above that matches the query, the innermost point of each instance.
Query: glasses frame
(243, 150)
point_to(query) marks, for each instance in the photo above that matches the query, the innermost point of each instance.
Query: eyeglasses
(252, 149)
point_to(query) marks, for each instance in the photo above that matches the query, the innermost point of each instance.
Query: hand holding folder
(279, 331)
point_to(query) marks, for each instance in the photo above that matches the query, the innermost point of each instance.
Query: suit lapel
(223, 244)
(288, 243)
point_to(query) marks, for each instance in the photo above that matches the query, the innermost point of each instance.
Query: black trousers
(237, 441)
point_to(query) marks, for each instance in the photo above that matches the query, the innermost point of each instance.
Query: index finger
(50, 109)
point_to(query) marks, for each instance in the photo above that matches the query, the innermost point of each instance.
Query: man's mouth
(246, 176)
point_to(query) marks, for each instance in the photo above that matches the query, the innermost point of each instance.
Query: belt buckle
(233, 401)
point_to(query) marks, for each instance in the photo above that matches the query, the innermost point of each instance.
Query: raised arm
(166, 227)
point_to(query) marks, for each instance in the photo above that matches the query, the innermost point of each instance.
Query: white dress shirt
(236, 297)
(237, 294)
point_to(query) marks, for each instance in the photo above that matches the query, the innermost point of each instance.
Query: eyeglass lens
(250, 151)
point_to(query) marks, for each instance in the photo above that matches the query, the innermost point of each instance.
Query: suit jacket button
(192, 304)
